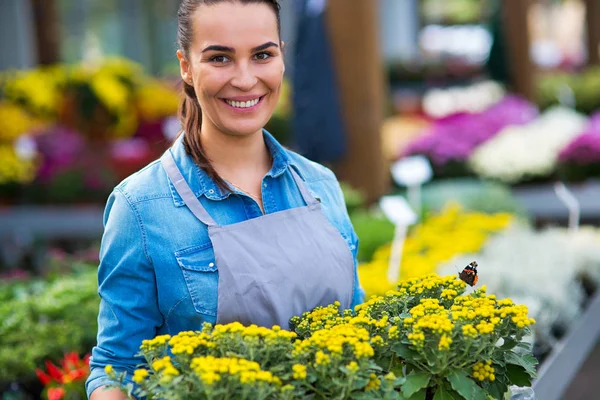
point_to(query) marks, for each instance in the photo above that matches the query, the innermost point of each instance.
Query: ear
(184, 68)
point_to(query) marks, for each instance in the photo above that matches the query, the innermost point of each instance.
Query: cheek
(210, 84)
(273, 76)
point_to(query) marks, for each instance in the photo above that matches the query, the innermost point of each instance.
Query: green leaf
(465, 386)
(509, 344)
(524, 346)
(415, 382)
(360, 383)
(420, 395)
(497, 389)
(403, 351)
(517, 375)
(527, 361)
(446, 394)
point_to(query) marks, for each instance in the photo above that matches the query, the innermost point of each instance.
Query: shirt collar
(202, 184)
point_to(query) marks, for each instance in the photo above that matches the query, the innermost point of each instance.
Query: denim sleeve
(128, 296)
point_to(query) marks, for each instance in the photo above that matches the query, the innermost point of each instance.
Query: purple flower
(455, 137)
(130, 149)
(60, 149)
(585, 148)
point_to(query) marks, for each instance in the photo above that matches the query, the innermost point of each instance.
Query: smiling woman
(228, 225)
(232, 69)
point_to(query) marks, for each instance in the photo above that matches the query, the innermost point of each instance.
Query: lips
(245, 103)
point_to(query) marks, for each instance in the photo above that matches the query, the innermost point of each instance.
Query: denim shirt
(157, 273)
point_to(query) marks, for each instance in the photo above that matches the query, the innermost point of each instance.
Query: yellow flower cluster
(445, 343)
(374, 383)
(429, 245)
(253, 331)
(156, 343)
(155, 101)
(299, 371)
(319, 318)
(334, 340)
(39, 89)
(429, 315)
(469, 331)
(139, 375)
(352, 367)
(14, 122)
(483, 371)
(482, 314)
(13, 168)
(212, 369)
(166, 368)
(187, 342)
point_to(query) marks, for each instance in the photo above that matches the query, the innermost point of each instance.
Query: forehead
(234, 25)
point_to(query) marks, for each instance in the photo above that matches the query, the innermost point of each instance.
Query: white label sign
(397, 210)
(412, 171)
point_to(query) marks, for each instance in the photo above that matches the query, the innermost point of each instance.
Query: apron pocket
(201, 277)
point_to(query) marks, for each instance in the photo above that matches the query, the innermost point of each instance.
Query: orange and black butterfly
(469, 274)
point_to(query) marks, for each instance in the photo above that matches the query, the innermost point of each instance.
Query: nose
(244, 77)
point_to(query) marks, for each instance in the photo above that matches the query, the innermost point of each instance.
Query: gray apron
(275, 266)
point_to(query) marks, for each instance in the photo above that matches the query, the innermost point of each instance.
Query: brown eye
(219, 59)
(262, 56)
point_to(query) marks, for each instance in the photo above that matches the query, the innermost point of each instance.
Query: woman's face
(235, 65)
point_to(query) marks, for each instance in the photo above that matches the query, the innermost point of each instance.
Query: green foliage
(44, 319)
(472, 195)
(584, 86)
(373, 231)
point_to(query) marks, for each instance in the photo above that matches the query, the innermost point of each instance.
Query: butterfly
(469, 274)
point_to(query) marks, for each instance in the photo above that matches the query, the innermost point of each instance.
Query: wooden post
(592, 17)
(516, 32)
(353, 29)
(46, 31)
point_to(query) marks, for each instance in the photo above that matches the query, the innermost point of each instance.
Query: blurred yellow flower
(13, 169)
(438, 239)
(155, 100)
(14, 122)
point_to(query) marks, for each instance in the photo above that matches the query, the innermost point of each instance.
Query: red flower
(54, 371)
(45, 379)
(71, 361)
(56, 393)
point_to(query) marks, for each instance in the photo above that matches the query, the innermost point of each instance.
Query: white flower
(476, 98)
(528, 150)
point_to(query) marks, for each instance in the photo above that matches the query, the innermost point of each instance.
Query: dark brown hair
(190, 113)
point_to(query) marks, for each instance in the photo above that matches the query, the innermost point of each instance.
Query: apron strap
(188, 197)
(309, 199)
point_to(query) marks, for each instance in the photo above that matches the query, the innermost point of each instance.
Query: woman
(227, 225)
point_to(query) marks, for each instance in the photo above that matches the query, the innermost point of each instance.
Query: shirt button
(265, 185)
(211, 264)
(352, 247)
(211, 191)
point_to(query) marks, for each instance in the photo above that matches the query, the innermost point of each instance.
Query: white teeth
(243, 104)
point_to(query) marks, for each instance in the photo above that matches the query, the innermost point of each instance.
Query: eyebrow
(216, 47)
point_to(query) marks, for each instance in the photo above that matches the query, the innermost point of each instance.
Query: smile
(243, 104)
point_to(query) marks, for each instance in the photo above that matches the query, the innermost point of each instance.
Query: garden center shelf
(561, 367)
(51, 222)
(23, 226)
(541, 202)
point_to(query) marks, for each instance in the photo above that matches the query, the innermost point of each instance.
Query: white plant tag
(572, 204)
(397, 210)
(411, 171)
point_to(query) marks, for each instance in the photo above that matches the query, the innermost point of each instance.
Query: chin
(243, 129)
